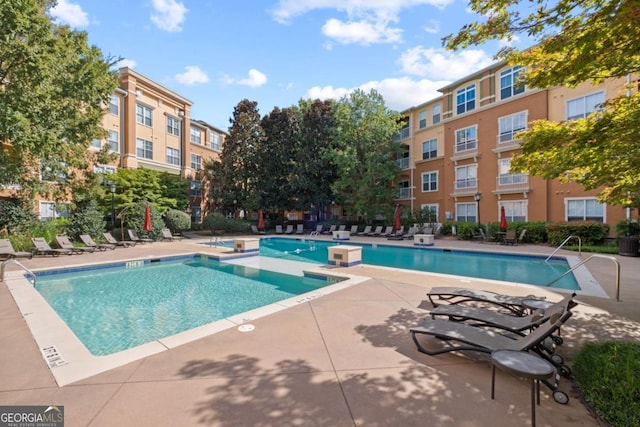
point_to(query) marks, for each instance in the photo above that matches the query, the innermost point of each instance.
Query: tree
(366, 157)
(576, 41)
(53, 91)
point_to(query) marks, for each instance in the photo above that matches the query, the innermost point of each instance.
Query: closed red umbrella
(398, 222)
(147, 219)
(503, 219)
(260, 220)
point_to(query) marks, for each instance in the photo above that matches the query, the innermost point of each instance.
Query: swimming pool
(114, 307)
(528, 269)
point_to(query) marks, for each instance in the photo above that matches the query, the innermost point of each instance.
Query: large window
(144, 148)
(581, 107)
(173, 156)
(587, 209)
(114, 104)
(436, 113)
(466, 212)
(429, 181)
(466, 177)
(106, 169)
(52, 171)
(515, 211)
(173, 126)
(509, 126)
(505, 177)
(114, 140)
(422, 119)
(96, 143)
(196, 189)
(52, 210)
(509, 84)
(466, 139)
(143, 115)
(430, 212)
(430, 149)
(466, 99)
(196, 161)
(214, 140)
(196, 135)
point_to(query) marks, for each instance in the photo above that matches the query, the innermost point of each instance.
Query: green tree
(86, 218)
(366, 156)
(576, 41)
(53, 91)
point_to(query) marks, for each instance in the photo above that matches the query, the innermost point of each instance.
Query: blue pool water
(119, 307)
(532, 270)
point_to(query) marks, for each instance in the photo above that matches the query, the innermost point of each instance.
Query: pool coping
(70, 361)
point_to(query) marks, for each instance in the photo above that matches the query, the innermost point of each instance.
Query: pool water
(527, 269)
(116, 308)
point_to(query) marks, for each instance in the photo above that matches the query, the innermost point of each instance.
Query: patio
(345, 359)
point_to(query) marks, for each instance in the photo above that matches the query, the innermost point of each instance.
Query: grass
(609, 376)
(607, 249)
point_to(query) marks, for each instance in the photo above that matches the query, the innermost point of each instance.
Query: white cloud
(399, 93)
(168, 15)
(508, 43)
(442, 64)
(70, 14)
(433, 27)
(362, 32)
(126, 63)
(254, 79)
(192, 75)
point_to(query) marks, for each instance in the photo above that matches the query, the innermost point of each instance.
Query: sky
(277, 52)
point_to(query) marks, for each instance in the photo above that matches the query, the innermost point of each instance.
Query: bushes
(589, 232)
(627, 228)
(219, 224)
(85, 219)
(177, 221)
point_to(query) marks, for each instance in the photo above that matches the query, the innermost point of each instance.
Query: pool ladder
(15, 261)
(564, 243)
(584, 261)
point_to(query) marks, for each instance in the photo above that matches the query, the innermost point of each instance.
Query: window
(196, 189)
(196, 214)
(52, 171)
(403, 133)
(404, 191)
(429, 181)
(196, 161)
(106, 169)
(143, 115)
(114, 104)
(422, 119)
(430, 212)
(584, 210)
(196, 136)
(505, 177)
(509, 126)
(52, 210)
(466, 139)
(436, 112)
(430, 149)
(96, 143)
(466, 212)
(144, 148)
(466, 177)
(173, 156)
(581, 107)
(173, 126)
(114, 140)
(515, 211)
(509, 85)
(466, 99)
(214, 140)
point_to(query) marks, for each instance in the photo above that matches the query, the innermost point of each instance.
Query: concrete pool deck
(343, 359)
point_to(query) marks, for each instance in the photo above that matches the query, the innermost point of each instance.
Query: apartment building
(458, 149)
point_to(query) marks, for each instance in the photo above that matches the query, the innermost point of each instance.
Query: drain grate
(53, 357)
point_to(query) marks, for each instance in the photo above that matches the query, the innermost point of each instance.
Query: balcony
(465, 187)
(512, 183)
(466, 150)
(403, 163)
(404, 193)
(402, 134)
(507, 141)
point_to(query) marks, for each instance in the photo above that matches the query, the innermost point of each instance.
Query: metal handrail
(564, 243)
(615, 261)
(15, 261)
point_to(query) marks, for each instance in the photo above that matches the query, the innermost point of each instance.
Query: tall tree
(366, 157)
(576, 41)
(53, 91)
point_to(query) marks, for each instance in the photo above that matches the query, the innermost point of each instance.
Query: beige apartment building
(458, 148)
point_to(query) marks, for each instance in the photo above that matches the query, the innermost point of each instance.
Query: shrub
(609, 376)
(16, 217)
(590, 232)
(219, 224)
(86, 219)
(177, 221)
(627, 228)
(135, 218)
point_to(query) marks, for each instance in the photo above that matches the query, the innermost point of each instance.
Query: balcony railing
(466, 146)
(404, 193)
(508, 140)
(402, 134)
(512, 182)
(403, 163)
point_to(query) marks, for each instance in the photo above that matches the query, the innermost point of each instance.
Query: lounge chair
(90, 243)
(43, 248)
(279, 229)
(398, 234)
(65, 243)
(510, 237)
(300, 229)
(354, 230)
(387, 231)
(376, 232)
(477, 316)
(255, 230)
(133, 236)
(112, 240)
(521, 237)
(289, 229)
(454, 296)
(318, 229)
(7, 251)
(342, 227)
(331, 229)
(167, 235)
(410, 233)
(365, 232)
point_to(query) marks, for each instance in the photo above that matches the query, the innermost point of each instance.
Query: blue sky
(276, 52)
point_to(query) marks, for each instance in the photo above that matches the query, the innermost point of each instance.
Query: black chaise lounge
(452, 295)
